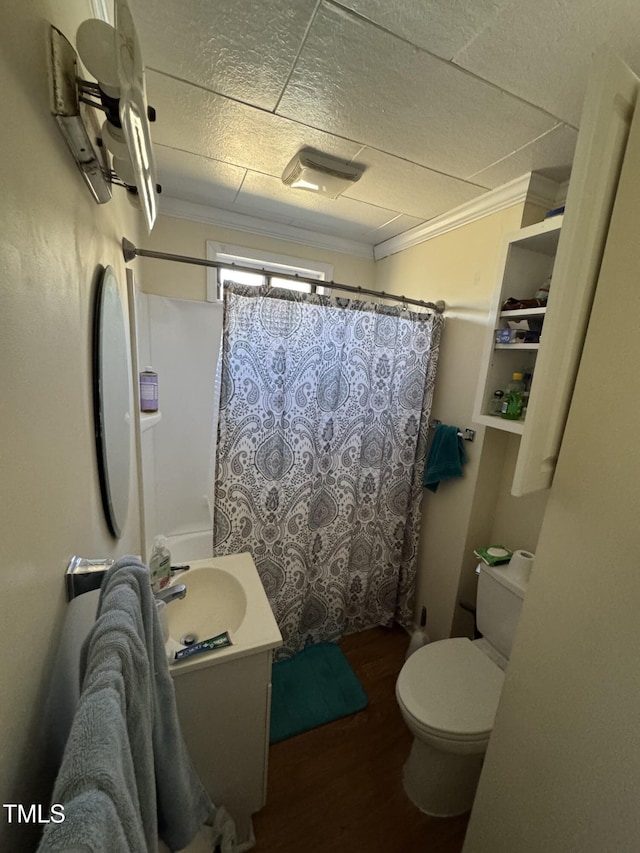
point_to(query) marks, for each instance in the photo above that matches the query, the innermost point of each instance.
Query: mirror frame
(112, 400)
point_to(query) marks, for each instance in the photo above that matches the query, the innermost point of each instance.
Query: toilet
(448, 693)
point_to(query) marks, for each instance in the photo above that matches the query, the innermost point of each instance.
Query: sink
(223, 696)
(223, 594)
(215, 602)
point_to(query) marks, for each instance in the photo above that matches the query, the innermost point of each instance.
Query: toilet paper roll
(521, 564)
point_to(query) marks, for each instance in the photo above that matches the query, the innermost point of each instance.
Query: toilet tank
(498, 606)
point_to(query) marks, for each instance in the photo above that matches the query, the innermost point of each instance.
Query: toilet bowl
(448, 694)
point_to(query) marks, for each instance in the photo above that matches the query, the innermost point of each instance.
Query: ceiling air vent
(320, 173)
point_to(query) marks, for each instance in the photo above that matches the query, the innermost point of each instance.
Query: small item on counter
(217, 642)
(513, 401)
(148, 390)
(494, 555)
(495, 403)
(160, 564)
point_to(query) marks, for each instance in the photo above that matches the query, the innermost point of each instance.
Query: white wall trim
(531, 188)
(264, 227)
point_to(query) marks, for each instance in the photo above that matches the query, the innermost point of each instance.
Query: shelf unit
(149, 419)
(526, 261)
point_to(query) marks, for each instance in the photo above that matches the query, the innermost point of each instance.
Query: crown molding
(532, 188)
(264, 227)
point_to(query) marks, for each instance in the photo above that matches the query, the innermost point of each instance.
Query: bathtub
(190, 546)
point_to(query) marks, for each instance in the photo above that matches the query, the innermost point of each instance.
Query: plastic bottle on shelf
(513, 400)
(542, 294)
(495, 402)
(160, 564)
(149, 390)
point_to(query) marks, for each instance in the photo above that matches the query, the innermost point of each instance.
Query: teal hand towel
(446, 457)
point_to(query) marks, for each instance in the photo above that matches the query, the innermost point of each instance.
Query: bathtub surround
(322, 441)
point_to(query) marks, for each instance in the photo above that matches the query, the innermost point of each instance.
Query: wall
(183, 237)
(52, 237)
(562, 771)
(460, 267)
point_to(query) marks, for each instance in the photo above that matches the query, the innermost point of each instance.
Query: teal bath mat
(311, 689)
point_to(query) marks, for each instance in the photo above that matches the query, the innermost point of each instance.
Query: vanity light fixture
(320, 173)
(120, 150)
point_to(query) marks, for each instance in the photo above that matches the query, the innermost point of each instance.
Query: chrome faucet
(171, 593)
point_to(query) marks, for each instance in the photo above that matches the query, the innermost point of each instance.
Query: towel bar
(466, 434)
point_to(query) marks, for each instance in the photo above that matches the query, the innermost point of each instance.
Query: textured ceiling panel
(197, 179)
(439, 99)
(395, 227)
(357, 81)
(261, 195)
(191, 119)
(552, 155)
(551, 67)
(441, 28)
(240, 48)
(400, 185)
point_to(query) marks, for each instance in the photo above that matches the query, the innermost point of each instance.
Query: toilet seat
(450, 690)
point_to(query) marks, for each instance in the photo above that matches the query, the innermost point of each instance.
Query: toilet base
(441, 784)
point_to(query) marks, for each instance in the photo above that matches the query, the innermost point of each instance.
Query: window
(272, 263)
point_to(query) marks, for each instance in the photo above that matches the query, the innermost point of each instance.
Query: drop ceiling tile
(197, 179)
(394, 227)
(239, 48)
(194, 120)
(542, 51)
(357, 81)
(390, 182)
(551, 154)
(441, 28)
(263, 195)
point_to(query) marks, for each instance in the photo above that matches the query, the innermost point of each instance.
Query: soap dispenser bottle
(160, 564)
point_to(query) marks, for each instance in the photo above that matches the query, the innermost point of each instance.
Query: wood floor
(339, 787)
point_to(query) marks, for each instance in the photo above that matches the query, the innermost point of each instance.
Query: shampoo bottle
(160, 564)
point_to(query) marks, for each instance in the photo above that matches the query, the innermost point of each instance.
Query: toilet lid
(451, 687)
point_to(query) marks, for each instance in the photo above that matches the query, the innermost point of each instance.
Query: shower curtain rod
(131, 252)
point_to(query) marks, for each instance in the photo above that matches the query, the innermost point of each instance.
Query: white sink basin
(223, 594)
(215, 602)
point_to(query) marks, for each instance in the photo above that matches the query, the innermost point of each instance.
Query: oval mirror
(112, 400)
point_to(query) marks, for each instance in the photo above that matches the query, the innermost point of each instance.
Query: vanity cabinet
(527, 259)
(225, 718)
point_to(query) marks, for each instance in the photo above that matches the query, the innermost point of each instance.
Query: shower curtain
(322, 436)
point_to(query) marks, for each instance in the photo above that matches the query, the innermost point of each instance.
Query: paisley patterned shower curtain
(322, 440)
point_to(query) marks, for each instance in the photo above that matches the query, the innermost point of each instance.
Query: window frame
(274, 262)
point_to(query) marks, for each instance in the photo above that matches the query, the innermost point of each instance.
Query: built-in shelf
(149, 419)
(517, 346)
(524, 312)
(505, 424)
(526, 263)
